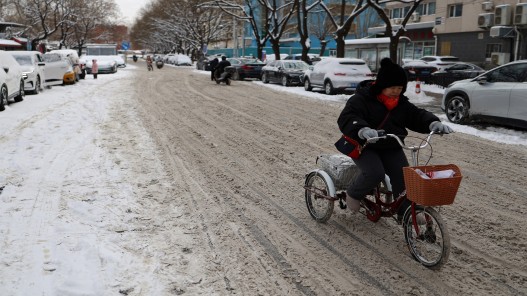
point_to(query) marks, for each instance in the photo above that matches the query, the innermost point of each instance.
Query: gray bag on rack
(339, 167)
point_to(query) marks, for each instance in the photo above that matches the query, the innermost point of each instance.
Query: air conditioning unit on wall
(486, 20)
(502, 15)
(397, 21)
(487, 6)
(500, 58)
(520, 14)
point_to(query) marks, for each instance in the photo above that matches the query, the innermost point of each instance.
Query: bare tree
(342, 20)
(303, 18)
(394, 33)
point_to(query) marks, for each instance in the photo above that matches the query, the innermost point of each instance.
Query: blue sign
(125, 45)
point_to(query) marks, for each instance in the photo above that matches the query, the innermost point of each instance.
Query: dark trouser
(374, 164)
(95, 75)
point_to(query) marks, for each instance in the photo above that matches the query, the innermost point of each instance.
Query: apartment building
(480, 31)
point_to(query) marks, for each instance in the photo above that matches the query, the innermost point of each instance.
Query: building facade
(483, 32)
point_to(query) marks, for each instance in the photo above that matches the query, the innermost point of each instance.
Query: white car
(107, 64)
(32, 64)
(11, 80)
(73, 56)
(179, 60)
(440, 61)
(57, 67)
(496, 96)
(337, 74)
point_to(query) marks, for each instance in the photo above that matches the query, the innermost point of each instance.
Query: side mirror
(481, 79)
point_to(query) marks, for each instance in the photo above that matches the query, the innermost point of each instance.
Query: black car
(419, 70)
(457, 71)
(203, 63)
(246, 68)
(287, 72)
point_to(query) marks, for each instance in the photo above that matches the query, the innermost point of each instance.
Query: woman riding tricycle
(374, 124)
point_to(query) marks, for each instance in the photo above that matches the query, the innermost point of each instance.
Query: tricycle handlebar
(383, 135)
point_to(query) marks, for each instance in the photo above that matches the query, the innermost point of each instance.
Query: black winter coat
(363, 109)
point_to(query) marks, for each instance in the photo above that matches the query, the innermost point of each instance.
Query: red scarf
(389, 102)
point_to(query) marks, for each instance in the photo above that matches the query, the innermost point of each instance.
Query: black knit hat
(390, 74)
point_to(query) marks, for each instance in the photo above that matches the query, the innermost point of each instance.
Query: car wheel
(264, 78)
(37, 86)
(21, 93)
(284, 81)
(328, 88)
(456, 109)
(3, 97)
(307, 85)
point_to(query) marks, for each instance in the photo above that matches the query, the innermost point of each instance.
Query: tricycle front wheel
(427, 237)
(320, 207)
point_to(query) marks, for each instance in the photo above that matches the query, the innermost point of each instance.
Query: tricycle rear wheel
(317, 191)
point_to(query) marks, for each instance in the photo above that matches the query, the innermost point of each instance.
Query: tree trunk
(323, 44)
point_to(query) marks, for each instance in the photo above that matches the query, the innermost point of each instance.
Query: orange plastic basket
(431, 192)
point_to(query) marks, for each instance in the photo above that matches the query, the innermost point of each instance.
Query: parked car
(271, 57)
(203, 63)
(246, 68)
(417, 69)
(11, 80)
(32, 64)
(70, 77)
(285, 72)
(440, 61)
(58, 69)
(337, 74)
(107, 64)
(79, 66)
(179, 60)
(455, 72)
(498, 96)
(298, 56)
(120, 61)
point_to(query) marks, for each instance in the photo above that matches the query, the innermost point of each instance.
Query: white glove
(437, 126)
(367, 133)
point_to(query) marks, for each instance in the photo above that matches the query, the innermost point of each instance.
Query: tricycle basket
(431, 192)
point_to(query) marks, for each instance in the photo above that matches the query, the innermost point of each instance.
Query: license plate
(425, 72)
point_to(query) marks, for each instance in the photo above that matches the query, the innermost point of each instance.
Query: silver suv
(496, 96)
(337, 74)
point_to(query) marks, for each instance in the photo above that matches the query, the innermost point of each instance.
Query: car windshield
(51, 57)
(298, 66)
(23, 59)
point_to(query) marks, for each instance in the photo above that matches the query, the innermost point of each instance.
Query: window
(491, 47)
(455, 10)
(512, 73)
(397, 13)
(426, 8)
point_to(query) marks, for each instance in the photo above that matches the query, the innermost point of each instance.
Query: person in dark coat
(221, 66)
(213, 64)
(381, 105)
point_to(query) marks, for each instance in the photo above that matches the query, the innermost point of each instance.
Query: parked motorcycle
(160, 64)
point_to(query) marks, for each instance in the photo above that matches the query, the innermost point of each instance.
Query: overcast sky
(130, 8)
